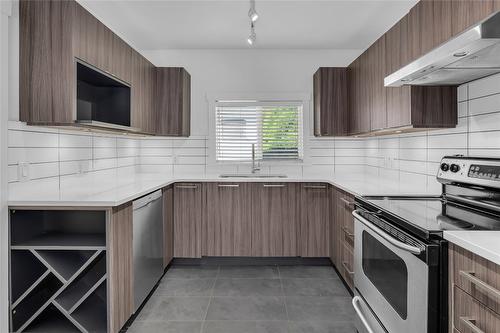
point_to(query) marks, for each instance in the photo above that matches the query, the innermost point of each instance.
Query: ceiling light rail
(253, 16)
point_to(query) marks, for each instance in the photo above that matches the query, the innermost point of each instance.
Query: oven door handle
(355, 301)
(386, 236)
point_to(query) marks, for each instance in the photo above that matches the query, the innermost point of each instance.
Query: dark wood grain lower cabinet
(172, 101)
(228, 219)
(330, 101)
(168, 225)
(314, 220)
(188, 203)
(275, 219)
(120, 266)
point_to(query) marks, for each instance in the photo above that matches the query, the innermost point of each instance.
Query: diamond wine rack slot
(58, 271)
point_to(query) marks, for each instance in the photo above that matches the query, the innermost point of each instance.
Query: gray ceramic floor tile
(246, 308)
(305, 308)
(247, 287)
(192, 272)
(314, 287)
(325, 272)
(320, 327)
(245, 327)
(165, 308)
(185, 287)
(166, 327)
(249, 272)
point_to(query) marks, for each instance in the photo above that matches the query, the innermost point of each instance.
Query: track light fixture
(252, 37)
(252, 13)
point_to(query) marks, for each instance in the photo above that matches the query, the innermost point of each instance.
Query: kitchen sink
(251, 175)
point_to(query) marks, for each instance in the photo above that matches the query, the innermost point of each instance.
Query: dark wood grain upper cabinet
(330, 102)
(228, 229)
(121, 63)
(47, 80)
(359, 115)
(466, 13)
(414, 35)
(173, 101)
(188, 210)
(275, 219)
(436, 25)
(142, 94)
(375, 85)
(314, 220)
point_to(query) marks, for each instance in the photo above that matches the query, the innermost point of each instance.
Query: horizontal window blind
(274, 129)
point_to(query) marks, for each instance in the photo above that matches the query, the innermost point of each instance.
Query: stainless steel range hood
(469, 56)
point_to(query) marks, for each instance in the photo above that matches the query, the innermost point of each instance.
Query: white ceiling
(216, 24)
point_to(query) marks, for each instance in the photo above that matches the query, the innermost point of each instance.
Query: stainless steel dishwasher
(147, 244)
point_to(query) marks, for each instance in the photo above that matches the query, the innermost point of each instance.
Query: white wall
(216, 72)
(5, 11)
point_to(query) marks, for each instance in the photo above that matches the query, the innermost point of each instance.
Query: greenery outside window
(274, 128)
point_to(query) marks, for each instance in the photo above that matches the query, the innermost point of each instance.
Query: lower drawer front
(470, 316)
(477, 276)
(347, 262)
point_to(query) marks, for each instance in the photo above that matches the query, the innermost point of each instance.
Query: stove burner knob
(445, 167)
(454, 168)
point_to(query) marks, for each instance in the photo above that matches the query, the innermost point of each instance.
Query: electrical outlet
(23, 171)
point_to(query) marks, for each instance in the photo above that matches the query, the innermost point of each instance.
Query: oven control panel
(470, 170)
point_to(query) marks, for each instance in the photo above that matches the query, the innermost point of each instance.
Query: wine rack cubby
(58, 275)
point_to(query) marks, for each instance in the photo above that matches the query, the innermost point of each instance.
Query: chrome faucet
(255, 167)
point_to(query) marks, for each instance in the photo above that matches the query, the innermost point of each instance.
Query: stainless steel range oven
(400, 256)
(394, 273)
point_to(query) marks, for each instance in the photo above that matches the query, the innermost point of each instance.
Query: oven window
(387, 272)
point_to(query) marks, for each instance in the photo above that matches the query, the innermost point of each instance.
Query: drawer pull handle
(228, 185)
(344, 264)
(317, 187)
(274, 185)
(187, 186)
(470, 323)
(347, 202)
(480, 283)
(347, 232)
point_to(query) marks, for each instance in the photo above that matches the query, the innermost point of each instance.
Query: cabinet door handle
(318, 187)
(480, 283)
(470, 323)
(187, 186)
(228, 185)
(347, 232)
(274, 185)
(344, 264)
(347, 202)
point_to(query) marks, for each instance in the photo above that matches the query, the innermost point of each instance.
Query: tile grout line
(284, 298)
(202, 326)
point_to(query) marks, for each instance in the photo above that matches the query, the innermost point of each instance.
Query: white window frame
(303, 98)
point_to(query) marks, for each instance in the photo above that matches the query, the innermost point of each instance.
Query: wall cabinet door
(121, 63)
(330, 101)
(47, 78)
(414, 36)
(359, 115)
(436, 25)
(466, 13)
(142, 94)
(188, 201)
(375, 85)
(168, 225)
(314, 220)
(173, 101)
(228, 220)
(275, 219)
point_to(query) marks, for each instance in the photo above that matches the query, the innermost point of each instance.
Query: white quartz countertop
(98, 191)
(483, 243)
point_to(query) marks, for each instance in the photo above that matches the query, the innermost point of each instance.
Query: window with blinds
(273, 127)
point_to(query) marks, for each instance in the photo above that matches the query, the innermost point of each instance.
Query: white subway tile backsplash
(479, 140)
(413, 154)
(462, 109)
(485, 122)
(104, 142)
(75, 154)
(32, 155)
(486, 104)
(483, 87)
(75, 141)
(32, 139)
(462, 93)
(450, 141)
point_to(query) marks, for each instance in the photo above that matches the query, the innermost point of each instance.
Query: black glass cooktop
(433, 214)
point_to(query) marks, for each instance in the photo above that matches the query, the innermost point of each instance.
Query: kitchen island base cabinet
(188, 210)
(314, 216)
(275, 219)
(228, 220)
